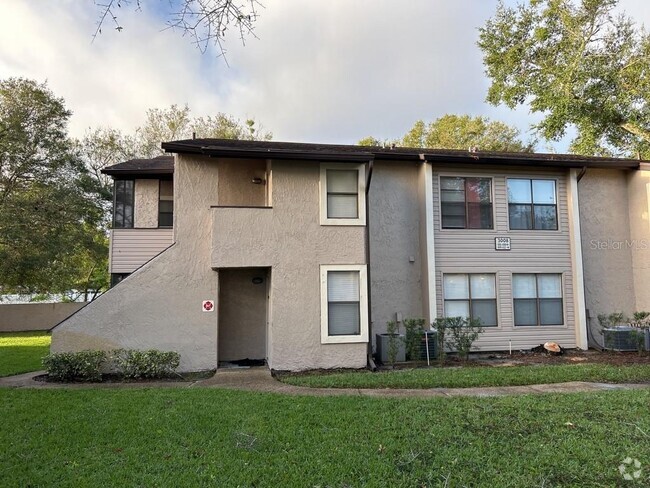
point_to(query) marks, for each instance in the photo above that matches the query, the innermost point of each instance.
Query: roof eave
(287, 154)
(531, 162)
(135, 172)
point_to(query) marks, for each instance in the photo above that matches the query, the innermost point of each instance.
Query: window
(117, 277)
(537, 299)
(344, 306)
(466, 203)
(166, 204)
(532, 204)
(343, 194)
(123, 204)
(472, 296)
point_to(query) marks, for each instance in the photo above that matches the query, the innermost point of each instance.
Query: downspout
(371, 363)
(591, 340)
(583, 171)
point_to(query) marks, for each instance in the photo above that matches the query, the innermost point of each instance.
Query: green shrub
(456, 333)
(392, 329)
(414, 329)
(462, 334)
(75, 366)
(152, 363)
(641, 316)
(611, 320)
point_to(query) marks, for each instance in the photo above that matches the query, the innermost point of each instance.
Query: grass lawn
(21, 352)
(209, 437)
(463, 377)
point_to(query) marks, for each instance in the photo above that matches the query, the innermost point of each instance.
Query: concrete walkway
(260, 379)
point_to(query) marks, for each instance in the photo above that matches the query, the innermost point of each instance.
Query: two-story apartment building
(307, 250)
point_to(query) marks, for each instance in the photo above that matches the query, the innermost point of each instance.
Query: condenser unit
(621, 338)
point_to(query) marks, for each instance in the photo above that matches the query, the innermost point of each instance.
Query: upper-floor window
(166, 204)
(342, 194)
(123, 204)
(537, 299)
(472, 296)
(466, 203)
(532, 204)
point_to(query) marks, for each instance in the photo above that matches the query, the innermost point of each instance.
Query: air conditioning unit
(621, 338)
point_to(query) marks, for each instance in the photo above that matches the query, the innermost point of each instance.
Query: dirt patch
(523, 358)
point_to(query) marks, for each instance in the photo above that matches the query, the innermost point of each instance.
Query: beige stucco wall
(394, 239)
(639, 244)
(235, 185)
(34, 316)
(290, 239)
(146, 203)
(605, 226)
(242, 308)
(159, 306)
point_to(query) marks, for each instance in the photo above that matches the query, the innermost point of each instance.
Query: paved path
(260, 379)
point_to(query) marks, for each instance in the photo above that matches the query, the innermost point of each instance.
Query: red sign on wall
(208, 306)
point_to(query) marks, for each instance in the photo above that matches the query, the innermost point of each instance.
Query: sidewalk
(260, 379)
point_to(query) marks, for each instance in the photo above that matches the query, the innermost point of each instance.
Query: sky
(329, 71)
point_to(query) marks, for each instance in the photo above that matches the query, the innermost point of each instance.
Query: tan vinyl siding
(131, 248)
(536, 251)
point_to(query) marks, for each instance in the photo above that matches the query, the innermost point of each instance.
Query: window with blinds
(537, 299)
(342, 194)
(466, 203)
(344, 303)
(472, 296)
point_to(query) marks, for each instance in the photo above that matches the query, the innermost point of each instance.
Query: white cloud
(326, 70)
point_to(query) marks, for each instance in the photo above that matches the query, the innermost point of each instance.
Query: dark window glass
(166, 204)
(472, 296)
(117, 277)
(537, 299)
(532, 204)
(123, 204)
(466, 203)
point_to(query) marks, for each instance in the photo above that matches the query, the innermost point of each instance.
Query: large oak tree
(579, 64)
(51, 237)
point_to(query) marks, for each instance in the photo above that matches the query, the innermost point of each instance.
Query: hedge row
(126, 363)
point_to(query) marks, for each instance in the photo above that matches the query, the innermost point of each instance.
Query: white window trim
(564, 323)
(496, 293)
(363, 305)
(361, 205)
(556, 179)
(451, 174)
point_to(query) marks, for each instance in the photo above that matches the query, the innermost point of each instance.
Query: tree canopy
(459, 132)
(50, 216)
(176, 123)
(577, 63)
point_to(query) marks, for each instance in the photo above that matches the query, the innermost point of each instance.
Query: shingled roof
(351, 153)
(160, 165)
